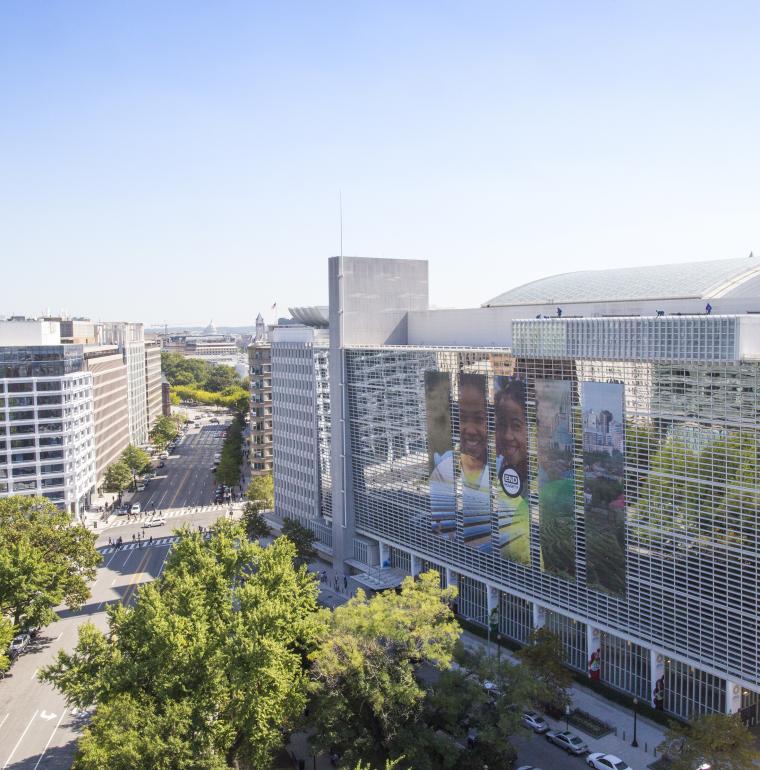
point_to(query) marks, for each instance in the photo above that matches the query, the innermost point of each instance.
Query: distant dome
(210, 329)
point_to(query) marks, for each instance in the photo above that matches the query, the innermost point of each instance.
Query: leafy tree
(206, 669)
(544, 656)
(45, 560)
(173, 398)
(118, 477)
(136, 459)
(6, 635)
(255, 524)
(302, 538)
(720, 740)
(261, 491)
(228, 470)
(164, 430)
(365, 691)
(237, 398)
(221, 377)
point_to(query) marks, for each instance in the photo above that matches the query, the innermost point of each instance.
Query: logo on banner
(510, 481)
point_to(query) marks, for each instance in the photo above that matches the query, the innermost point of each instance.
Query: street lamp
(634, 742)
(567, 717)
(493, 626)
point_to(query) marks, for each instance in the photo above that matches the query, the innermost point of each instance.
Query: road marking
(18, 742)
(47, 716)
(33, 678)
(4, 718)
(50, 739)
(59, 636)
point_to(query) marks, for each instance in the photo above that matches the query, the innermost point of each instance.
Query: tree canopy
(302, 538)
(45, 560)
(255, 524)
(261, 491)
(198, 374)
(117, 477)
(206, 669)
(165, 430)
(544, 656)
(365, 694)
(720, 740)
(228, 469)
(136, 459)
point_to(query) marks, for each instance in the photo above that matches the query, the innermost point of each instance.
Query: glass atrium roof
(684, 281)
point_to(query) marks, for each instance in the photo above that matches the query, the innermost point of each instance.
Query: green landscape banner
(604, 485)
(556, 479)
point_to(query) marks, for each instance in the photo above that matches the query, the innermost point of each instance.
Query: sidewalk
(648, 734)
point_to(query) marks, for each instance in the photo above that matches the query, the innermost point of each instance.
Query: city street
(37, 730)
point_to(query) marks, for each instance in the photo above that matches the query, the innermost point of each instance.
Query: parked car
(164, 455)
(162, 464)
(135, 508)
(141, 487)
(18, 645)
(214, 420)
(568, 741)
(535, 722)
(606, 762)
(528, 767)
(156, 521)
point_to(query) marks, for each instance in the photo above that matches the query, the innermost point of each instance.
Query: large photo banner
(473, 458)
(556, 478)
(604, 485)
(440, 453)
(511, 483)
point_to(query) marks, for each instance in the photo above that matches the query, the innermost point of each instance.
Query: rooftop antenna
(340, 199)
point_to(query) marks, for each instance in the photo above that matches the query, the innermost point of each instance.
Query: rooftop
(687, 280)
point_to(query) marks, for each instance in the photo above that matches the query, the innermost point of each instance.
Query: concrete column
(657, 679)
(539, 616)
(385, 555)
(733, 697)
(594, 647)
(492, 599)
(452, 578)
(416, 565)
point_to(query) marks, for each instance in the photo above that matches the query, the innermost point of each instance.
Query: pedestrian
(345, 583)
(133, 537)
(109, 541)
(150, 542)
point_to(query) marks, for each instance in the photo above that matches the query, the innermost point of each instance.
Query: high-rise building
(300, 422)
(47, 441)
(578, 453)
(130, 339)
(153, 380)
(260, 375)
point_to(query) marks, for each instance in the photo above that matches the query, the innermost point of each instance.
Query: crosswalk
(172, 513)
(144, 543)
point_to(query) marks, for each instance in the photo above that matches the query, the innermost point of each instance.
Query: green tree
(261, 491)
(228, 470)
(255, 524)
(302, 538)
(45, 560)
(365, 691)
(6, 635)
(118, 477)
(164, 430)
(206, 669)
(720, 740)
(544, 656)
(221, 377)
(136, 459)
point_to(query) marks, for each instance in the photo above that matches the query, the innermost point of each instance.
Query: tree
(720, 740)
(206, 669)
(6, 635)
(365, 691)
(136, 459)
(544, 656)
(261, 491)
(118, 477)
(221, 377)
(255, 524)
(45, 560)
(302, 538)
(164, 430)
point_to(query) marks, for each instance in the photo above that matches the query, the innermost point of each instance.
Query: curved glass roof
(688, 280)
(314, 315)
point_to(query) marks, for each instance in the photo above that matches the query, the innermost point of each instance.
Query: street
(37, 730)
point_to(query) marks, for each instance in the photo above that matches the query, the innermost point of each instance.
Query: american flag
(274, 307)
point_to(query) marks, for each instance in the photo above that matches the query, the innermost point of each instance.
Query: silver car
(535, 722)
(568, 741)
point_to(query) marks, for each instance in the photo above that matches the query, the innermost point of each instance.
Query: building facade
(260, 451)
(47, 443)
(579, 453)
(153, 381)
(110, 403)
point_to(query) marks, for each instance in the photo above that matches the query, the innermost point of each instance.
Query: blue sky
(181, 161)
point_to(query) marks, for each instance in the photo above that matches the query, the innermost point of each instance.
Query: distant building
(260, 373)
(166, 402)
(153, 380)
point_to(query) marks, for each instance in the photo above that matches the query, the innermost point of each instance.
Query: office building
(260, 375)
(300, 417)
(153, 381)
(47, 440)
(578, 453)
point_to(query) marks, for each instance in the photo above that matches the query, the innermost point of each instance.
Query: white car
(606, 762)
(528, 767)
(135, 508)
(158, 521)
(18, 645)
(534, 722)
(491, 688)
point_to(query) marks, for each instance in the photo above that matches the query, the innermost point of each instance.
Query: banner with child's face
(473, 459)
(440, 453)
(510, 486)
